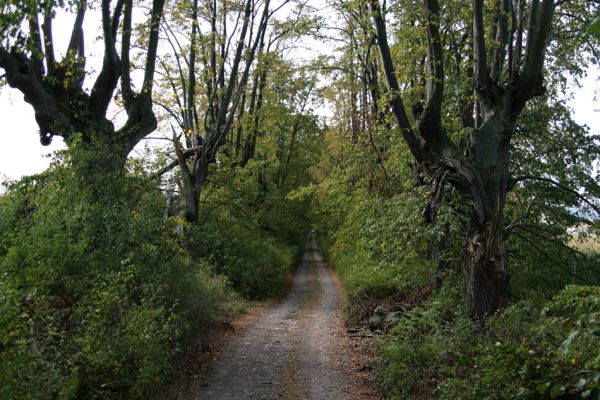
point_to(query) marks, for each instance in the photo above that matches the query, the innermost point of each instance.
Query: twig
(57, 282)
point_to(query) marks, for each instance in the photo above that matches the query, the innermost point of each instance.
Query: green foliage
(371, 226)
(255, 233)
(370, 199)
(534, 349)
(96, 289)
(426, 342)
(255, 263)
(100, 287)
(594, 28)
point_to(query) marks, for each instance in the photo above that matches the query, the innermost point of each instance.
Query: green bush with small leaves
(96, 288)
(535, 349)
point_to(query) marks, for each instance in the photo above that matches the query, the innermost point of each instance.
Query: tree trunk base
(486, 272)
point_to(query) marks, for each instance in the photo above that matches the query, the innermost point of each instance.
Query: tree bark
(486, 270)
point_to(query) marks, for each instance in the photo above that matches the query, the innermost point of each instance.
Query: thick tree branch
(126, 89)
(108, 78)
(537, 38)
(429, 122)
(499, 52)
(518, 51)
(480, 73)
(114, 25)
(157, 9)
(48, 42)
(439, 148)
(77, 32)
(35, 39)
(530, 83)
(141, 118)
(191, 94)
(396, 102)
(435, 85)
(174, 163)
(21, 75)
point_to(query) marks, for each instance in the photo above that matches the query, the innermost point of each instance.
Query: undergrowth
(534, 349)
(99, 289)
(544, 345)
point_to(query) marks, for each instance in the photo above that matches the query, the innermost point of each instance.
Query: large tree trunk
(189, 195)
(486, 258)
(486, 270)
(190, 184)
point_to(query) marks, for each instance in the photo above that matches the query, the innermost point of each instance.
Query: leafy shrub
(534, 349)
(254, 263)
(96, 290)
(249, 233)
(379, 245)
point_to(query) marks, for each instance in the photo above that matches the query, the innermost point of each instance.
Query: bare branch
(481, 76)
(35, 39)
(215, 132)
(499, 53)
(106, 82)
(189, 111)
(169, 167)
(157, 8)
(48, 41)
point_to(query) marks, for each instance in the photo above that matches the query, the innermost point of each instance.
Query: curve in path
(294, 351)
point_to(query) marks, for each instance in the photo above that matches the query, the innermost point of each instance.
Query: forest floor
(296, 348)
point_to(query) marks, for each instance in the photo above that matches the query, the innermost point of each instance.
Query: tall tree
(54, 86)
(509, 48)
(209, 84)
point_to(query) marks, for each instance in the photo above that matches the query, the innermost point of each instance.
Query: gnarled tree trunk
(55, 89)
(478, 167)
(486, 259)
(486, 270)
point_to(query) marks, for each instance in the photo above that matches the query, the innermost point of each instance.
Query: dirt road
(295, 351)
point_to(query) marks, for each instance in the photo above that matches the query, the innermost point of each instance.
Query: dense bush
(255, 263)
(248, 230)
(534, 349)
(96, 290)
(379, 246)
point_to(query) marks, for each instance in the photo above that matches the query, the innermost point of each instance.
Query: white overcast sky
(22, 154)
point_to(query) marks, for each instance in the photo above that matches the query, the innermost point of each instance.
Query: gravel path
(295, 351)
